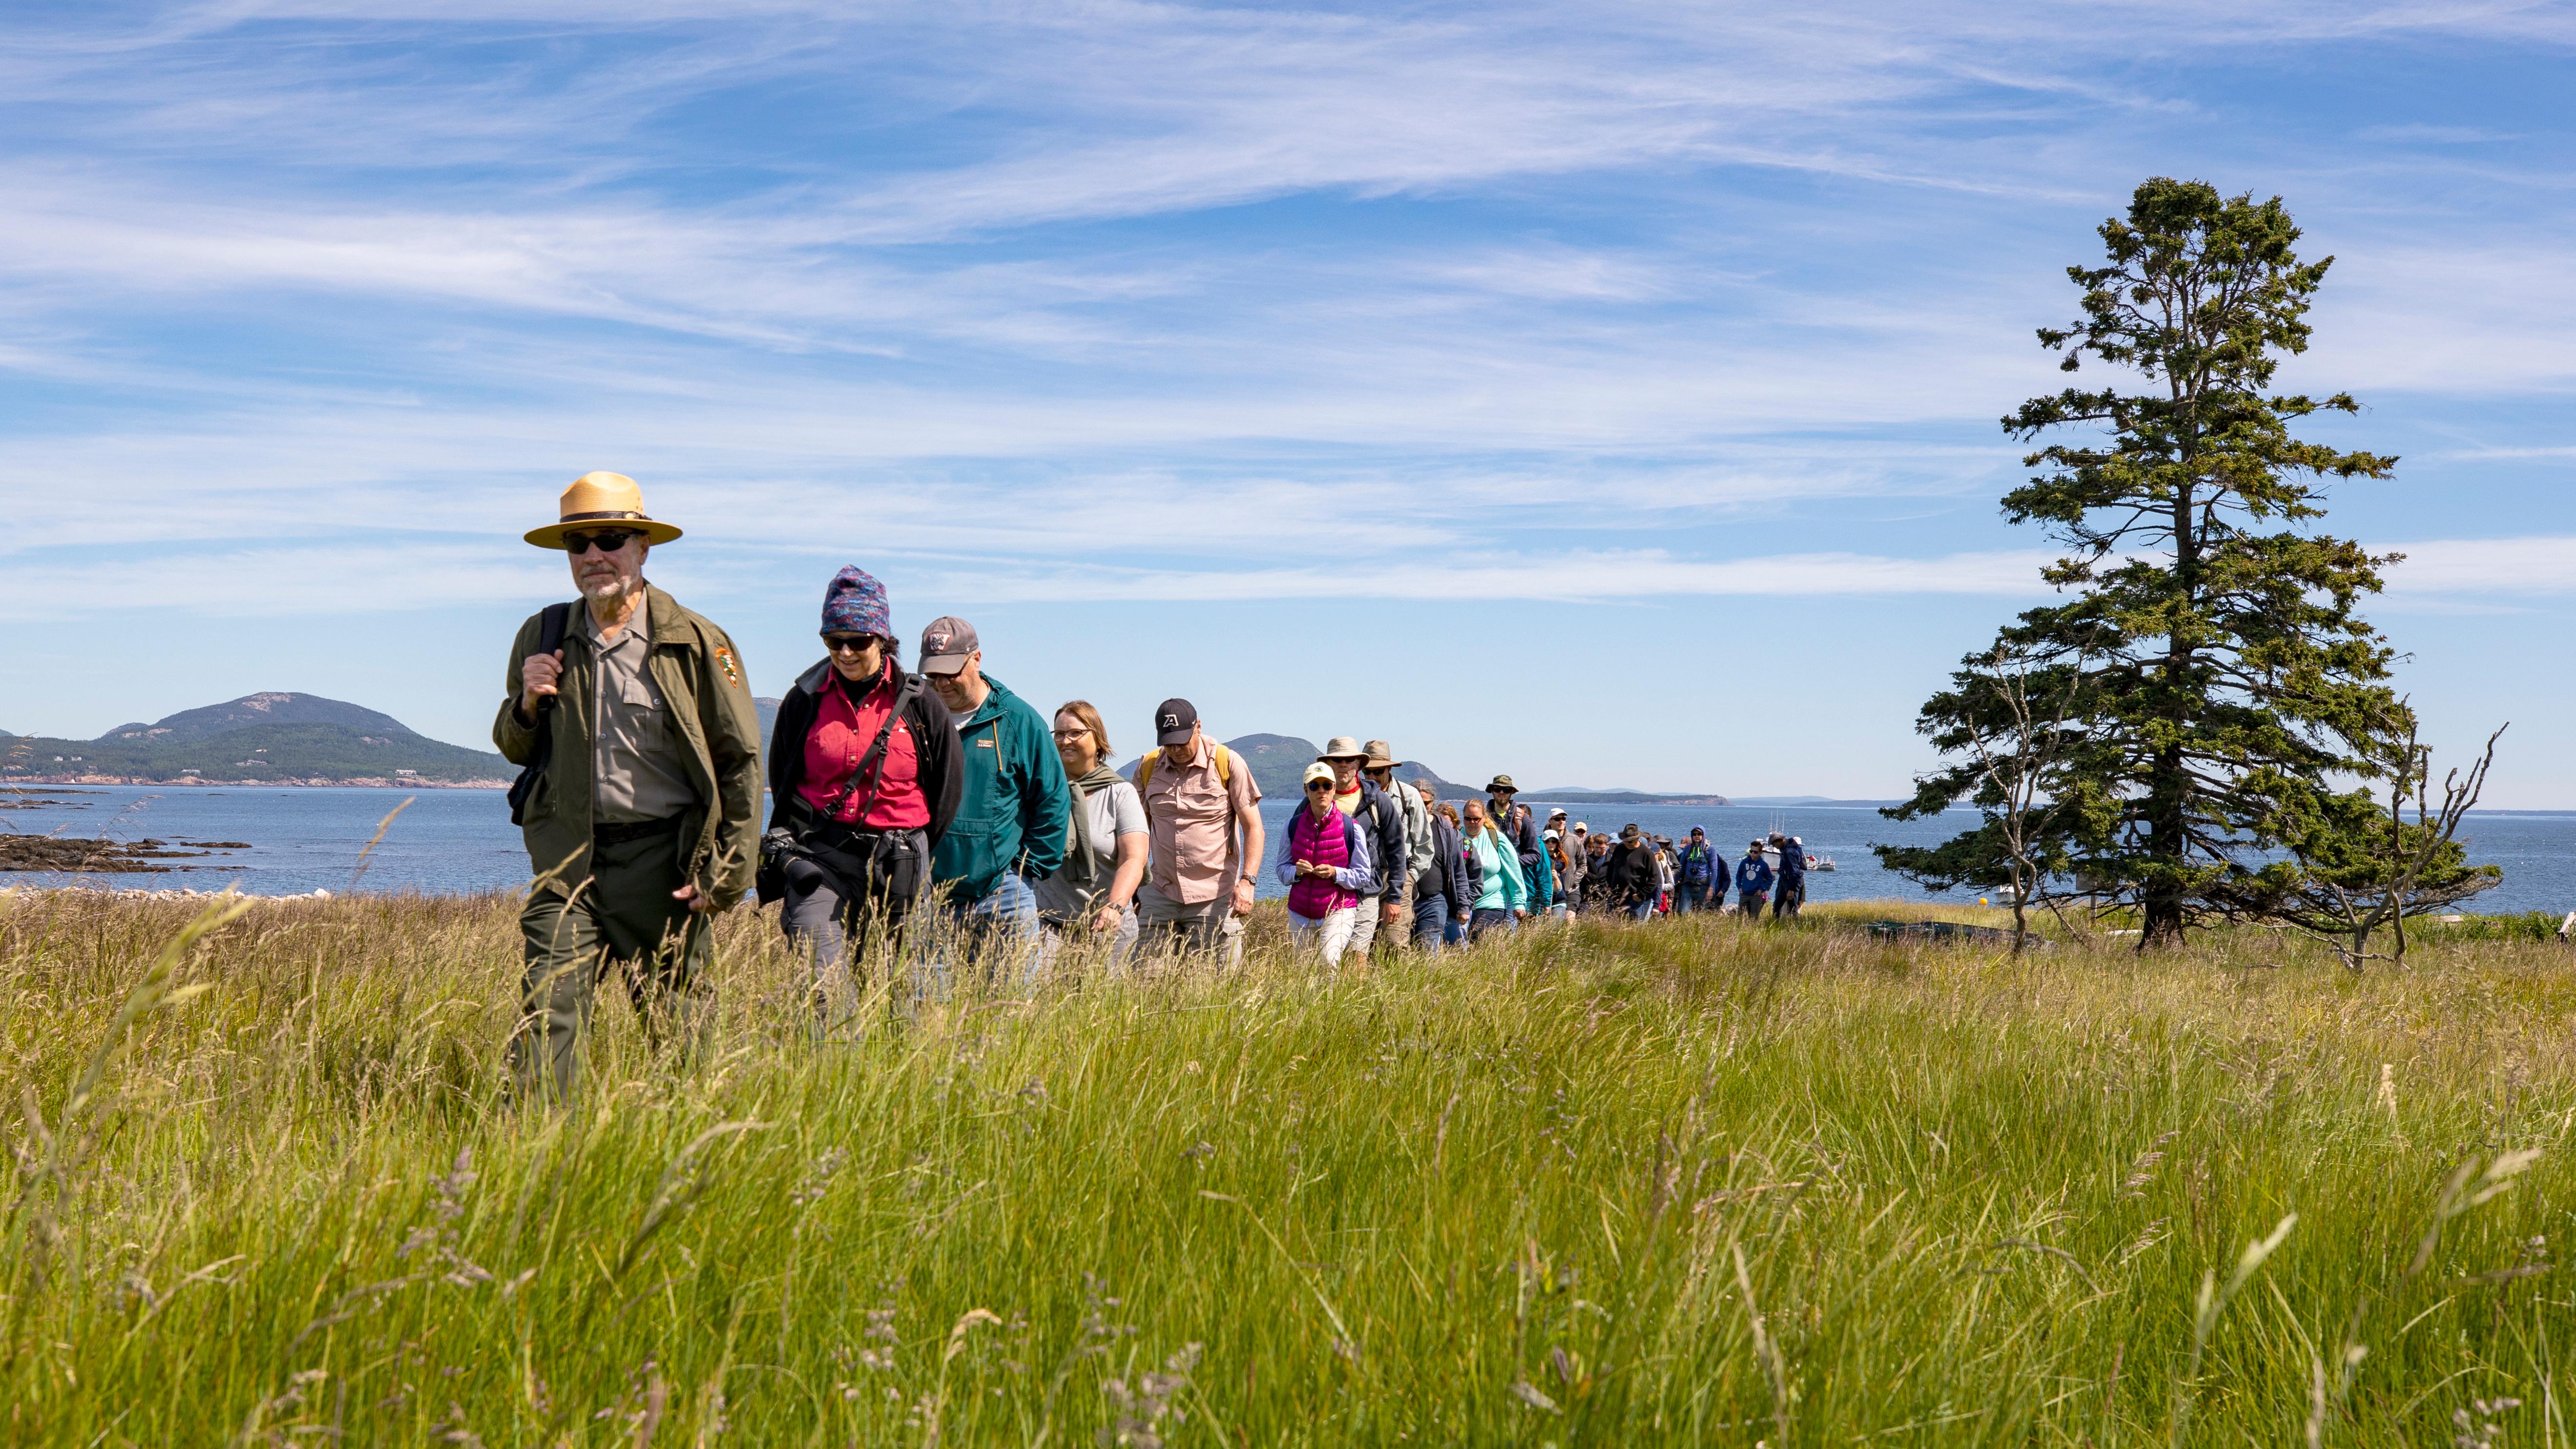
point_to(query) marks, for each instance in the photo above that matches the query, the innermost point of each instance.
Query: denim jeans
(1689, 897)
(1431, 923)
(1487, 918)
(998, 932)
(1642, 911)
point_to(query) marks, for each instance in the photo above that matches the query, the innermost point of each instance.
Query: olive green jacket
(701, 675)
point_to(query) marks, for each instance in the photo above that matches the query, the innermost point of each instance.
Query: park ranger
(639, 802)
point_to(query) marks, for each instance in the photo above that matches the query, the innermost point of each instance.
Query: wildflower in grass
(2143, 1171)
(818, 1177)
(1139, 1411)
(2476, 1423)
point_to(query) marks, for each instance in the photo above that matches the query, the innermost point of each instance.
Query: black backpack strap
(551, 625)
(873, 762)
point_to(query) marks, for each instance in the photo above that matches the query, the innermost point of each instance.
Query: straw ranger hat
(1343, 747)
(602, 500)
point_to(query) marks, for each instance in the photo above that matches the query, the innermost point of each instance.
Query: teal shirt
(1504, 889)
(1015, 806)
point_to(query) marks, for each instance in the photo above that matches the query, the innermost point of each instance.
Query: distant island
(258, 739)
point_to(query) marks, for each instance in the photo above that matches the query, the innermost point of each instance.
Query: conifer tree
(2207, 635)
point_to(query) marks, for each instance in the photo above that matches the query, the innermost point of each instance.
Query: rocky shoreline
(65, 855)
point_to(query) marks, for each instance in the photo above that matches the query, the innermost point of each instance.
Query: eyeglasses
(1066, 737)
(1314, 785)
(607, 540)
(848, 643)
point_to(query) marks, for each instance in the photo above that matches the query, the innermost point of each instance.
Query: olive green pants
(623, 916)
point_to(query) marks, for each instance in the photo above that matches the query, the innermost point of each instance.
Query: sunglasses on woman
(1314, 785)
(607, 540)
(848, 643)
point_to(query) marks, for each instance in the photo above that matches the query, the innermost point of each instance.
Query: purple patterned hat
(855, 603)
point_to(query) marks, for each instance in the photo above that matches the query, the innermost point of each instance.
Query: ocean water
(451, 841)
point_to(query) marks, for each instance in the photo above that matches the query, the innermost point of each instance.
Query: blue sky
(1604, 393)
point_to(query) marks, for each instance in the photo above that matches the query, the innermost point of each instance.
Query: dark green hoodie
(1015, 806)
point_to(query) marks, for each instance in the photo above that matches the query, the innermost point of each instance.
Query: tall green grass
(1693, 1182)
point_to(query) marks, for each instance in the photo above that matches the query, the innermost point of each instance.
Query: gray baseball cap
(946, 643)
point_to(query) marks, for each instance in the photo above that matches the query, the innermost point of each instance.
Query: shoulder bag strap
(872, 764)
(551, 625)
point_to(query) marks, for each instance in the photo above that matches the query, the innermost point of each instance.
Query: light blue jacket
(1504, 889)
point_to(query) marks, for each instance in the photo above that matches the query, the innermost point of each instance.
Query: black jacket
(934, 743)
(1453, 870)
(1599, 892)
(1383, 818)
(1632, 874)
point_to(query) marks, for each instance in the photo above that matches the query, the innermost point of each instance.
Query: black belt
(619, 834)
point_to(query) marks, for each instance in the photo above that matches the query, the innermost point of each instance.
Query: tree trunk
(2168, 841)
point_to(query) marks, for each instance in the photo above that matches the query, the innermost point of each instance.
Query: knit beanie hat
(855, 603)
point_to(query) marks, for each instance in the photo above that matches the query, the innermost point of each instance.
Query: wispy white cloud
(2510, 566)
(2455, 574)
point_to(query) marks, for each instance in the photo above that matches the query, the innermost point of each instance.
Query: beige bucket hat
(602, 499)
(1342, 747)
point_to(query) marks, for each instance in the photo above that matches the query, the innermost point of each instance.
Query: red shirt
(840, 737)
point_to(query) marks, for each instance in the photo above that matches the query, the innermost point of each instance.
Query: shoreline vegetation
(1587, 1184)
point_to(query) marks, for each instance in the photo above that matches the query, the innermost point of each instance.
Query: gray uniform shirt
(638, 765)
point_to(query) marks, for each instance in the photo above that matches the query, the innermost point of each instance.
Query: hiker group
(935, 818)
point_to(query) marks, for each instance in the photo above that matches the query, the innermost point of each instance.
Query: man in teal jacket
(1015, 807)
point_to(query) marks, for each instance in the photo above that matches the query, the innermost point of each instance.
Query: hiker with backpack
(1403, 883)
(1514, 821)
(1093, 894)
(1752, 881)
(1499, 892)
(1793, 876)
(1701, 883)
(1442, 899)
(864, 780)
(1326, 861)
(1600, 893)
(1012, 808)
(1203, 815)
(1633, 876)
(639, 788)
(1378, 814)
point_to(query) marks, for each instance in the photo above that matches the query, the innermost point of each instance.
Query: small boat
(1820, 862)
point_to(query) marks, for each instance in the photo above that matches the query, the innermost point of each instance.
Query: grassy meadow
(1691, 1182)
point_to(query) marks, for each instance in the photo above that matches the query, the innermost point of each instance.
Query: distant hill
(284, 738)
(1414, 772)
(1573, 794)
(1278, 762)
(190, 725)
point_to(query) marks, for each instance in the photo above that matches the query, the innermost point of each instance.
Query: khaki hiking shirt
(639, 768)
(1190, 816)
(699, 677)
